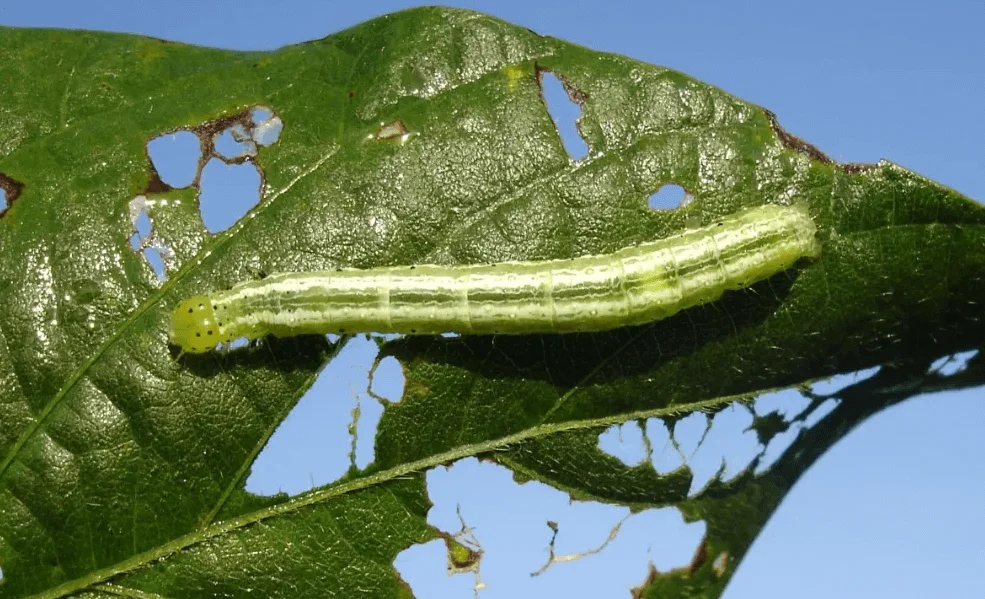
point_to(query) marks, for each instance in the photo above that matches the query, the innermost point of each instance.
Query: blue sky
(895, 509)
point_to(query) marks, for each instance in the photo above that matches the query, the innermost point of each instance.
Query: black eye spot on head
(191, 310)
(198, 334)
(210, 331)
(413, 330)
(413, 267)
(201, 306)
(341, 331)
(215, 307)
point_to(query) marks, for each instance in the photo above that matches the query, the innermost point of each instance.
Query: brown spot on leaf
(209, 129)
(720, 565)
(576, 95)
(651, 576)
(700, 556)
(559, 119)
(699, 559)
(858, 167)
(795, 143)
(154, 182)
(12, 190)
(392, 130)
(460, 557)
(206, 134)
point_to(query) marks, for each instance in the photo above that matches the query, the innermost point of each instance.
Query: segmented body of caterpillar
(631, 286)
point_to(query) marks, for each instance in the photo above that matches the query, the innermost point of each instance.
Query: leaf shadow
(303, 353)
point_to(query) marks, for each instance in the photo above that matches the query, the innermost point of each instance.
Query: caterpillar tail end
(806, 229)
(193, 326)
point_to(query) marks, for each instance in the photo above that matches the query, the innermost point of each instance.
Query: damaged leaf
(418, 137)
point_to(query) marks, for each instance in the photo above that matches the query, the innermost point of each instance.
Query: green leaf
(122, 466)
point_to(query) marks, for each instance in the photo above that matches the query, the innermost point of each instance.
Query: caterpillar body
(631, 286)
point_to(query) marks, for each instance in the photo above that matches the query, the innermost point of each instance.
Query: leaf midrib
(311, 498)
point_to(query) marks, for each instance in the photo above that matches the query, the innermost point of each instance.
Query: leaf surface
(122, 467)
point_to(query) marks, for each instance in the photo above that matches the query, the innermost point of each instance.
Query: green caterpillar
(631, 286)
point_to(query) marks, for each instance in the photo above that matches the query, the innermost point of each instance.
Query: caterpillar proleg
(631, 286)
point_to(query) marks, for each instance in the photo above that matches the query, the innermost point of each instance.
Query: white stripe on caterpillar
(631, 286)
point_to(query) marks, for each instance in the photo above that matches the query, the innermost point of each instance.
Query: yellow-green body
(634, 285)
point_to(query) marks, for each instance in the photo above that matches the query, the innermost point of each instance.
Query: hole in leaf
(666, 456)
(235, 143)
(731, 441)
(314, 445)
(624, 441)
(266, 126)
(564, 112)
(142, 239)
(153, 256)
(820, 412)
(175, 157)
(779, 444)
(385, 385)
(139, 220)
(10, 190)
(788, 403)
(950, 365)
(387, 381)
(228, 191)
(532, 528)
(425, 568)
(142, 224)
(838, 382)
(365, 418)
(690, 431)
(668, 197)
(261, 114)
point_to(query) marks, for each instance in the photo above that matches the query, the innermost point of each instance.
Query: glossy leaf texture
(418, 137)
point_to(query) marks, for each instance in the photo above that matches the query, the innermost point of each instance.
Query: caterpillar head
(193, 326)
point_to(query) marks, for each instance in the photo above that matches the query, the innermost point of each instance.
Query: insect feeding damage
(176, 160)
(393, 130)
(632, 286)
(670, 196)
(143, 239)
(793, 142)
(563, 103)
(11, 189)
